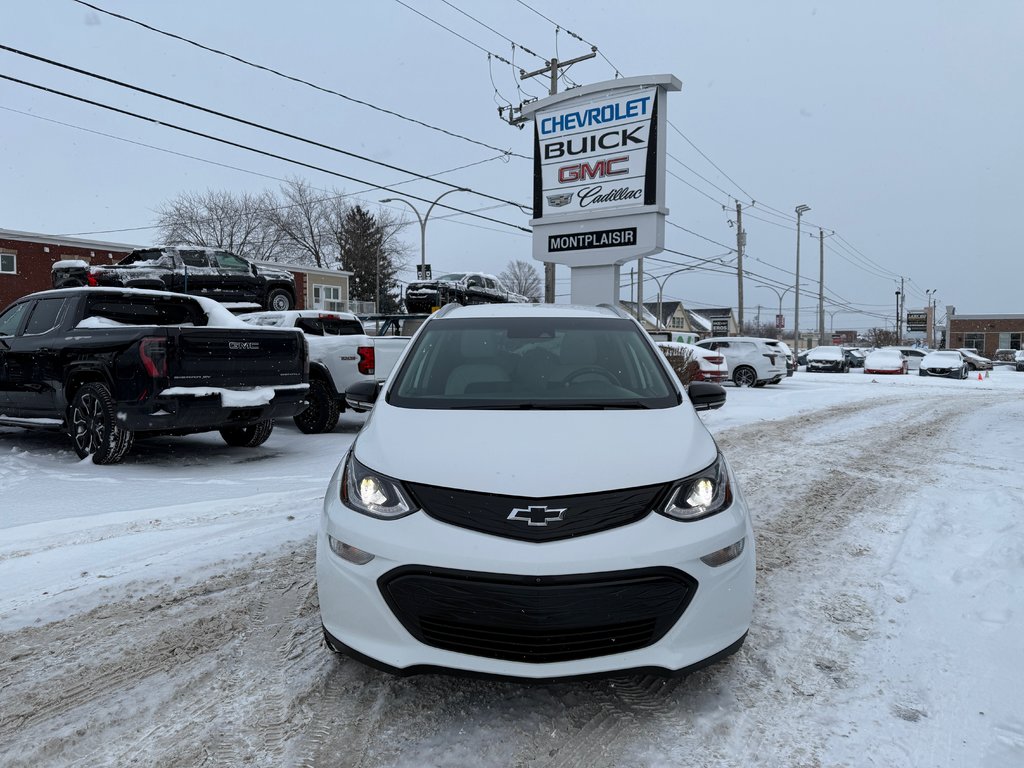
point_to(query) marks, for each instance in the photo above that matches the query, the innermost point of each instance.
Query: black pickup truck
(216, 274)
(458, 287)
(105, 364)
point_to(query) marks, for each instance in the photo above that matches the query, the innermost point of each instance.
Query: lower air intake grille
(537, 619)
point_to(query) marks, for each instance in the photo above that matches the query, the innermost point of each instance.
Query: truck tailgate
(228, 357)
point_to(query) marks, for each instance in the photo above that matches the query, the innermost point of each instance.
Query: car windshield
(951, 356)
(538, 362)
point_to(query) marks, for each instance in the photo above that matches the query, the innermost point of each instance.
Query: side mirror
(361, 396)
(706, 396)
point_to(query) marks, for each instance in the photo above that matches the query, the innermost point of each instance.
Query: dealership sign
(599, 171)
(917, 321)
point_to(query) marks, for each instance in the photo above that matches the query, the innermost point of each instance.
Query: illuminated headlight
(371, 493)
(700, 495)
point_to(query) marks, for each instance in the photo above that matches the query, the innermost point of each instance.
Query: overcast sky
(899, 124)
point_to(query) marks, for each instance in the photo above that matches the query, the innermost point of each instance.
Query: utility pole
(800, 211)
(741, 241)
(553, 69)
(821, 287)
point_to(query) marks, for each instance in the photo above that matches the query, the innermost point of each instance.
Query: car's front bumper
(355, 613)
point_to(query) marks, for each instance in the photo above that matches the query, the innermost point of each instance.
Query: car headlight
(700, 495)
(372, 493)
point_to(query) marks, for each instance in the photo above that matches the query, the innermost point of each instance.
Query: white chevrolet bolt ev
(533, 496)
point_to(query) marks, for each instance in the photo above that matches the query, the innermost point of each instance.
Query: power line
(492, 29)
(247, 148)
(571, 33)
(299, 80)
(452, 31)
(243, 121)
(741, 189)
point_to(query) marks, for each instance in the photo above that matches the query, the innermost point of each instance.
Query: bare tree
(304, 219)
(880, 337)
(522, 278)
(236, 222)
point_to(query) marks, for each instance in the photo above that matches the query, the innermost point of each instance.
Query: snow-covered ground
(162, 612)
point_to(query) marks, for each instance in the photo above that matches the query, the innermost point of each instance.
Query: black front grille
(531, 519)
(537, 619)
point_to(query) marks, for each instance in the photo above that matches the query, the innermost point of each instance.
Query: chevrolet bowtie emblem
(537, 515)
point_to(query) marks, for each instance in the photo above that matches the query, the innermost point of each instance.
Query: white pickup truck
(340, 354)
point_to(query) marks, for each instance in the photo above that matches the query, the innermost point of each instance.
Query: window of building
(1009, 340)
(327, 297)
(8, 263)
(975, 341)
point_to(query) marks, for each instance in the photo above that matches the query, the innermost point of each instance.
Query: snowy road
(163, 612)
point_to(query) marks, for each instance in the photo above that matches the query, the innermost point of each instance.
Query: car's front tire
(248, 437)
(279, 300)
(92, 424)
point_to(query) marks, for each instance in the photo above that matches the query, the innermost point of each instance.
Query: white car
(486, 519)
(752, 362)
(950, 363)
(914, 355)
(710, 365)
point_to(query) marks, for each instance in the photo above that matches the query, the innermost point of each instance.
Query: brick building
(985, 333)
(26, 258)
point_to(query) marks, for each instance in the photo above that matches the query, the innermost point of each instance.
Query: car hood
(275, 273)
(535, 453)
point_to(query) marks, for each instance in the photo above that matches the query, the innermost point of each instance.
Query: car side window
(491, 284)
(45, 316)
(227, 260)
(474, 282)
(196, 259)
(11, 319)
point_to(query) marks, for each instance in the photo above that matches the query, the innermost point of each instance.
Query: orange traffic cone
(979, 375)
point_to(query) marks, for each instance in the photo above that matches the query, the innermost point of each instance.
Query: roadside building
(985, 333)
(26, 259)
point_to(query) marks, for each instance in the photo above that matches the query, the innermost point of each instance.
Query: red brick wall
(990, 327)
(33, 265)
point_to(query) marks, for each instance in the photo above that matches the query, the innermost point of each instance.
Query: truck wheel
(279, 300)
(92, 424)
(322, 413)
(248, 437)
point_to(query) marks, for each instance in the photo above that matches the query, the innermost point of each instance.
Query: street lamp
(897, 318)
(931, 317)
(778, 293)
(661, 287)
(800, 211)
(423, 222)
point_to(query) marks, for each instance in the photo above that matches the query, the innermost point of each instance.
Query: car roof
(527, 310)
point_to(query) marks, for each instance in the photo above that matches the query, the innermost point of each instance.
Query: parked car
(824, 359)
(855, 356)
(975, 361)
(489, 553)
(950, 363)
(1018, 361)
(913, 355)
(787, 354)
(885, 360)
(705, 365)
(107, 364)
(751, 361)
(340, 354)
(211, 272)
(460, 288)
(1008, 356)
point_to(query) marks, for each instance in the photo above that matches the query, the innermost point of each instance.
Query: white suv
(487, 520)
(752, 362)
